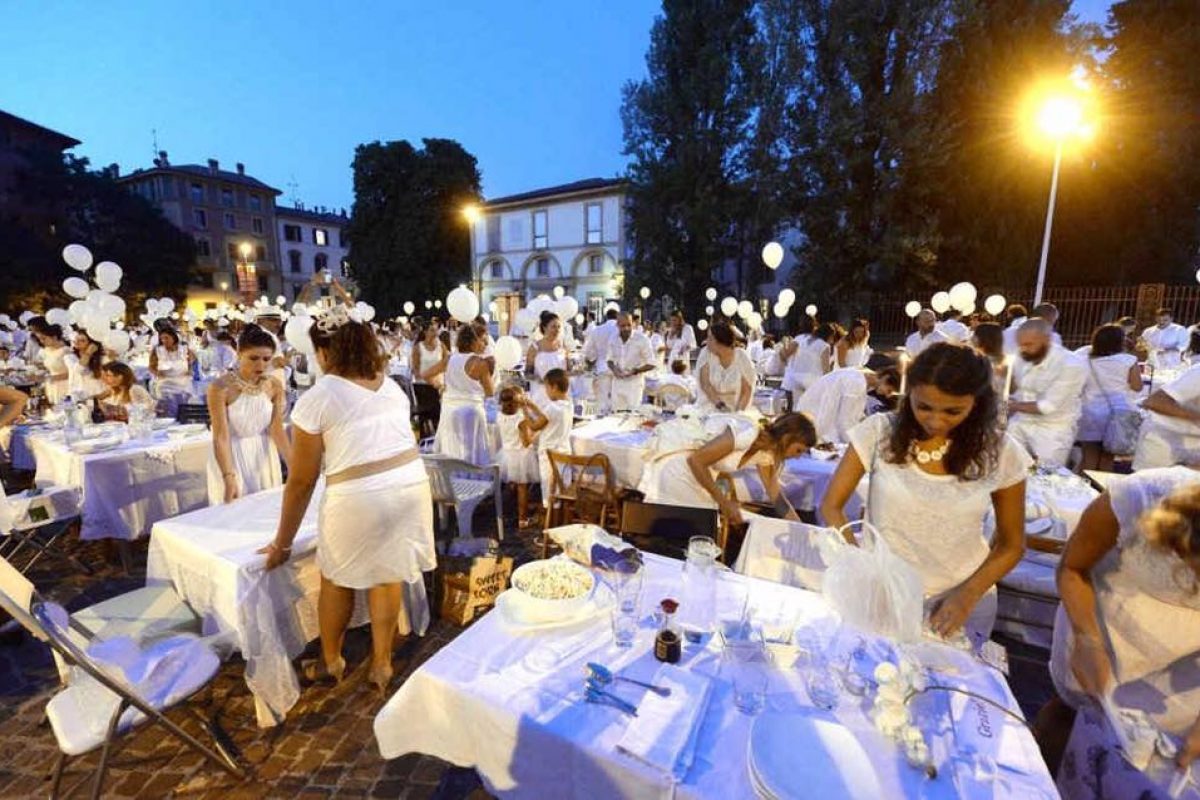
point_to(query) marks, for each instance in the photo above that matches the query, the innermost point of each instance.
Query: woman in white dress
(544, 355)
(937, 466)
(725, 377)
(1113, 383)
(733, 442)
(171, 369)
(462, 431)
(429, 358)
(375, 528)
(854, 349)
(123, 392)
(1129, 622)
(83, 368)
(247, 406)
(807, 357)
(53, 354)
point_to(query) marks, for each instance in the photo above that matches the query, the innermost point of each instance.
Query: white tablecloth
(622, 439)
(209, 557)
(509, 703)
(127, 489)
(805, 480)
(16, 443)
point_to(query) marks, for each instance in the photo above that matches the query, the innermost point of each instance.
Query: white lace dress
(462, 427)
(934, 522)
(726, 381)
(54, 360)
(255, 457)
(1148, 603)
(518, 463)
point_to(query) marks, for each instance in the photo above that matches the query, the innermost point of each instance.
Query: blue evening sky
(532, 88)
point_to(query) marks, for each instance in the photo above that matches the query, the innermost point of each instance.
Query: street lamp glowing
(471, 212)
(245, 248)
(1061, 117)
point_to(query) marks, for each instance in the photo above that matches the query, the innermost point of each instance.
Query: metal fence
(1081, 308)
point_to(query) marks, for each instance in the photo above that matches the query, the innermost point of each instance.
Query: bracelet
(227, 474)
(280, 548)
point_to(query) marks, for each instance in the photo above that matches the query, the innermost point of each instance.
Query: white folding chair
(37, 520)
(463, 486)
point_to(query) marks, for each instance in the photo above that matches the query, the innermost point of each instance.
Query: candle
(1008, 374)
(903, 372)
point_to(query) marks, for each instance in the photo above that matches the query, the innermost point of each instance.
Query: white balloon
(60, 316)
(912, 308)
(437, 303)
(710, 293)
(166, 305)
(280, 300)
(729, 306)
(644, 292)
(540, 303)
(409, 307)
(787, 297)
(745, 309)
(755, 321)
(78, 257)
(5, 319)
(559, 292)
(116, 341)
(772, 255)
(108, 273)
(781, 309)
(112, 306)
(567, 307)
(579, 319)
(962, 295)
(709, 310)
(940, 302)
(429, 303)
(702, 324)
(366, 312)
(75, 312)
(526, 320)
(811, 309)
(508, 351)
(995, 304)
(26, 316)
(296, 333)
(76, 287)
(98, 332)
(463, 304)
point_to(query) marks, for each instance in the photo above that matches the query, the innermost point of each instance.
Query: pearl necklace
(926, 456)
(246, 387)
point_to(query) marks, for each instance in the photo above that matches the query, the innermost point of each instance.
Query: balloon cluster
(93, 310)
(961, 297)
(526, 320)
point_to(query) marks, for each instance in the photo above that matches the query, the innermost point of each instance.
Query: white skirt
(256, 462)
(518, 465)
(462, 433)
(375, 535)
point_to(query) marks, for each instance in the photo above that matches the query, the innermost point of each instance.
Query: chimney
(162, 158)
(241, 168)
(213, 165)
(114, 171)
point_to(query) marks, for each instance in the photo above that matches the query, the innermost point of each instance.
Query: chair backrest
(668, 522)
(569, 473)
(193, 412)
(443, 469)
(15, 589)
(671, 396)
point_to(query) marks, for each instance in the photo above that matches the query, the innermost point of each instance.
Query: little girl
(518, 458)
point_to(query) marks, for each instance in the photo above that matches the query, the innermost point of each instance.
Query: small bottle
(668, 645)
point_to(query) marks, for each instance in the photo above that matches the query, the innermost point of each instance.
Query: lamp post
(471, 214)
(1061, 117)
(245, 250)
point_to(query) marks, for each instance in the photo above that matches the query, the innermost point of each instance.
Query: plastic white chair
(463, 486)
(26, 517)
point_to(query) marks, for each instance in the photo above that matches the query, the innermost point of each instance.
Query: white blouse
(727, 381)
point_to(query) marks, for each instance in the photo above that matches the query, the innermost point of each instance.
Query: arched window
(496, 269)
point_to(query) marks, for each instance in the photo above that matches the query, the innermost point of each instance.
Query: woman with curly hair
(937, 466)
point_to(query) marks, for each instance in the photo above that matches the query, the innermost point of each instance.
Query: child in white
(518, 458)
(554, 428)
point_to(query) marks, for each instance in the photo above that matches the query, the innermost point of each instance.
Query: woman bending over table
(726, 378)
(937, 465)
(246, 406)
(688, 477)
(1129, 622)
(123, 392)
(375, 529)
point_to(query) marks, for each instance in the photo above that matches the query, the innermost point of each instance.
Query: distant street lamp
(471, 214)
(225, 291)
(245, 287)
(1060, 116)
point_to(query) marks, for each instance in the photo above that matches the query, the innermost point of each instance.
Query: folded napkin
(1036, 508)
(664, 732)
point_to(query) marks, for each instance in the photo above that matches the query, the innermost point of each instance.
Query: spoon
(596, 691)
(603, 676)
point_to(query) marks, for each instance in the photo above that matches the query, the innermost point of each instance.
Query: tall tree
(91, 208)
(408, 237)
(862, 142)
(684, 127)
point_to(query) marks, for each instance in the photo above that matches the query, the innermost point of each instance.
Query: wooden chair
(728, 483)
(671, 396)
(582, 489)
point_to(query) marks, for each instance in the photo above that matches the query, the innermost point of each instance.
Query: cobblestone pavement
(326, 748)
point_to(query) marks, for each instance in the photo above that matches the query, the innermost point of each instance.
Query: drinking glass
(629, 591)
(749, 670)
(624, 626)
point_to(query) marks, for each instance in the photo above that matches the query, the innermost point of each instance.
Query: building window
(227, 198)
(342, 238)
(541, 238)
(260, 252)
(231, 250)
(200, 217)
(497, 268)
(256, 225)
(595, 264)
(203, 248)
(230, 222)
(320, 237)
(291, 233)
(595, 223)
(493, 233)
(197, 190)
(543, 267)
(294, 260)
(255, 203)
(320, 262)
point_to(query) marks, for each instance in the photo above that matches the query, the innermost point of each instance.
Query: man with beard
(1047, 394)
(630, 357)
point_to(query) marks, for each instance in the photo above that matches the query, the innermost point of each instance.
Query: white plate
(508, 606)
(88, 446)
(834, 764)
(191, 429)
(162, 423)
(1039, 527)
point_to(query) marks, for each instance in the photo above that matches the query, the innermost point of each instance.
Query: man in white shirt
(1171, 431)
(630, 357)
(1049, 312)
(1047, 394)
(681, 340)
(1166, 340)
(953, 328)
(925, 334)
(595, 353)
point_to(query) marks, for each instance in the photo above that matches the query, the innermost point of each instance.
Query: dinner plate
(834, 764)
(190, 429)
(162, 423)
(1039, 527)
(509, 607)
(88, 446)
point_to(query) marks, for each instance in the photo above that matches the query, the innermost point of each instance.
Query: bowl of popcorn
(552, 589)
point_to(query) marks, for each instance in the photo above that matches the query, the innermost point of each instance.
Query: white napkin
(664, 732)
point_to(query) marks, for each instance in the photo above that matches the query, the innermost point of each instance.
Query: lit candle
(903, 372)
(1008, 375)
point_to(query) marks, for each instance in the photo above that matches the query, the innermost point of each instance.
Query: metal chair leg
(108, 740)
(58, 774)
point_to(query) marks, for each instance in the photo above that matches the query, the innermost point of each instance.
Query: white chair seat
(146, 614)
(163, 674)
(468, 489)
(23, 512)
